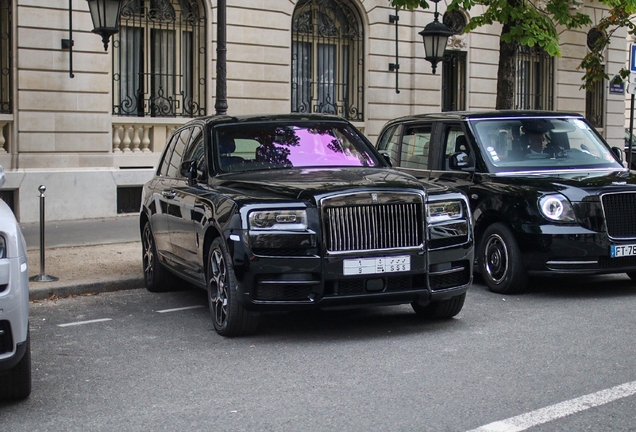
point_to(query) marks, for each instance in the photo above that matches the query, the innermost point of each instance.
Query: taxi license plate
(623, 250)
(365, 266)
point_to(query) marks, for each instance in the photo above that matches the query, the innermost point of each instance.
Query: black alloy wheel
(228, 315)
(156, 277)
(500, 262)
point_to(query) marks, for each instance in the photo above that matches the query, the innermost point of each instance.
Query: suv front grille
(373, 227)
(619, 209)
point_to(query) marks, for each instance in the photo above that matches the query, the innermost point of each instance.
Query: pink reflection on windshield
(316, 149)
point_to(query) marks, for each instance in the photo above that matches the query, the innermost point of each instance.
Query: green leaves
(538, 22)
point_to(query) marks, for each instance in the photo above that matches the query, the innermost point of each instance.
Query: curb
(44, 292)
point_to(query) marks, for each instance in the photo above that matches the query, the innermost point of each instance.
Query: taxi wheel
(156, 277)
(443, 309)
(499, 261)
(16, 383)
(229, 316)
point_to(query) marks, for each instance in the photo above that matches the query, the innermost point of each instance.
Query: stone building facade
(93, 139)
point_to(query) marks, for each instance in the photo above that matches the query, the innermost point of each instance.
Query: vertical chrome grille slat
(373, 226)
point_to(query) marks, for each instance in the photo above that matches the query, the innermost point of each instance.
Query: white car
(15, 350)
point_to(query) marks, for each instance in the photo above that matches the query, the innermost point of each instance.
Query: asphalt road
(126, 361)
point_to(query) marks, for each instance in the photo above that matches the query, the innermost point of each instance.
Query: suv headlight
(557, 208)
(287, 220)
(443, 211)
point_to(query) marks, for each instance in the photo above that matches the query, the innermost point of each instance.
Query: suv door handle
(169, 194)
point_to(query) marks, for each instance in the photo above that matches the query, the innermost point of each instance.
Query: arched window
(159, 59)
(6, 101)
(328, 58)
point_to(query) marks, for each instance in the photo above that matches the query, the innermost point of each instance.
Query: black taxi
(547, 193)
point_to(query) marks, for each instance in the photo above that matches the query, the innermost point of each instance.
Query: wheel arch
(483, 223)
(211, 234)
(143, 219)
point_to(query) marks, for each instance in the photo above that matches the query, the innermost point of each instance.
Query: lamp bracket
(67, 44)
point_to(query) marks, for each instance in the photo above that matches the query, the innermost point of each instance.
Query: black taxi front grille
(620, 214)
(373, 227)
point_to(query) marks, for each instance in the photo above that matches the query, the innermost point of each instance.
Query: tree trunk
(507, 72)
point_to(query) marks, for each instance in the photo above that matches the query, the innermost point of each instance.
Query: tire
(16, 383)
(229, 317)
(156, 277)
(443, 309)
(499, 261)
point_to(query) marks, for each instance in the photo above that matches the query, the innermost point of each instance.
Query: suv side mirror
(459, 161)
(618, 153)
(387, 158)
(189, 171)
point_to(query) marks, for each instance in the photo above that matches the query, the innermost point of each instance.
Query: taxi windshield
(541, 143)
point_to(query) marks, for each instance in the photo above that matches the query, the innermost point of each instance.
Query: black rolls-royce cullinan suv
(547, 193)
(292, 212)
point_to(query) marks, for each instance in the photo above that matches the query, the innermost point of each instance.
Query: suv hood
(310, 183)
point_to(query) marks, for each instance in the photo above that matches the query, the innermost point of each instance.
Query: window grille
(454, 81)
(328, 59)
(6, 100)
(534, 83)
(595, 104)
(159, 59)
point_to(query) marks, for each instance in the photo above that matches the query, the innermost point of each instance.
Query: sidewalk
(88, 256)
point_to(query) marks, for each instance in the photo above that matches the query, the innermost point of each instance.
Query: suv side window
(177, 154)
(389, 143)
(167, 155)
(415, 147)
(196, 152)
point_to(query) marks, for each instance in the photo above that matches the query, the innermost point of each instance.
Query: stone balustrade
(149, 136)
(5, 135)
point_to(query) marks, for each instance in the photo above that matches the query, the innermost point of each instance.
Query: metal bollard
(42, 277)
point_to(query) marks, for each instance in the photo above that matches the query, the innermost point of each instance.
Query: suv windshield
(258, 146)
(540, 143)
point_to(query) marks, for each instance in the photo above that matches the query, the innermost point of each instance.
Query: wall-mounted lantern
(435, 37)
(105, 15)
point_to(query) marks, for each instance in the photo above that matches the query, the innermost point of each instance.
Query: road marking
(179, 309)
(76, 323)
(560, 410)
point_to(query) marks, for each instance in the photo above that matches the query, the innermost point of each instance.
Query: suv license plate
(621, 251)
(363, 266)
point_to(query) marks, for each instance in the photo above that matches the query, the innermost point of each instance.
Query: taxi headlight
(443, 211)
(288, 220)
(557, 208)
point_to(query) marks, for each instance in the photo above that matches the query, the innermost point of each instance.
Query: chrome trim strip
(543, 172)
(444, 272)
(287, 282)
(375, 251)
(571, 262)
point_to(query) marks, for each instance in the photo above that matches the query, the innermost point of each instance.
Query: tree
(527, 23)
(618, 16)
